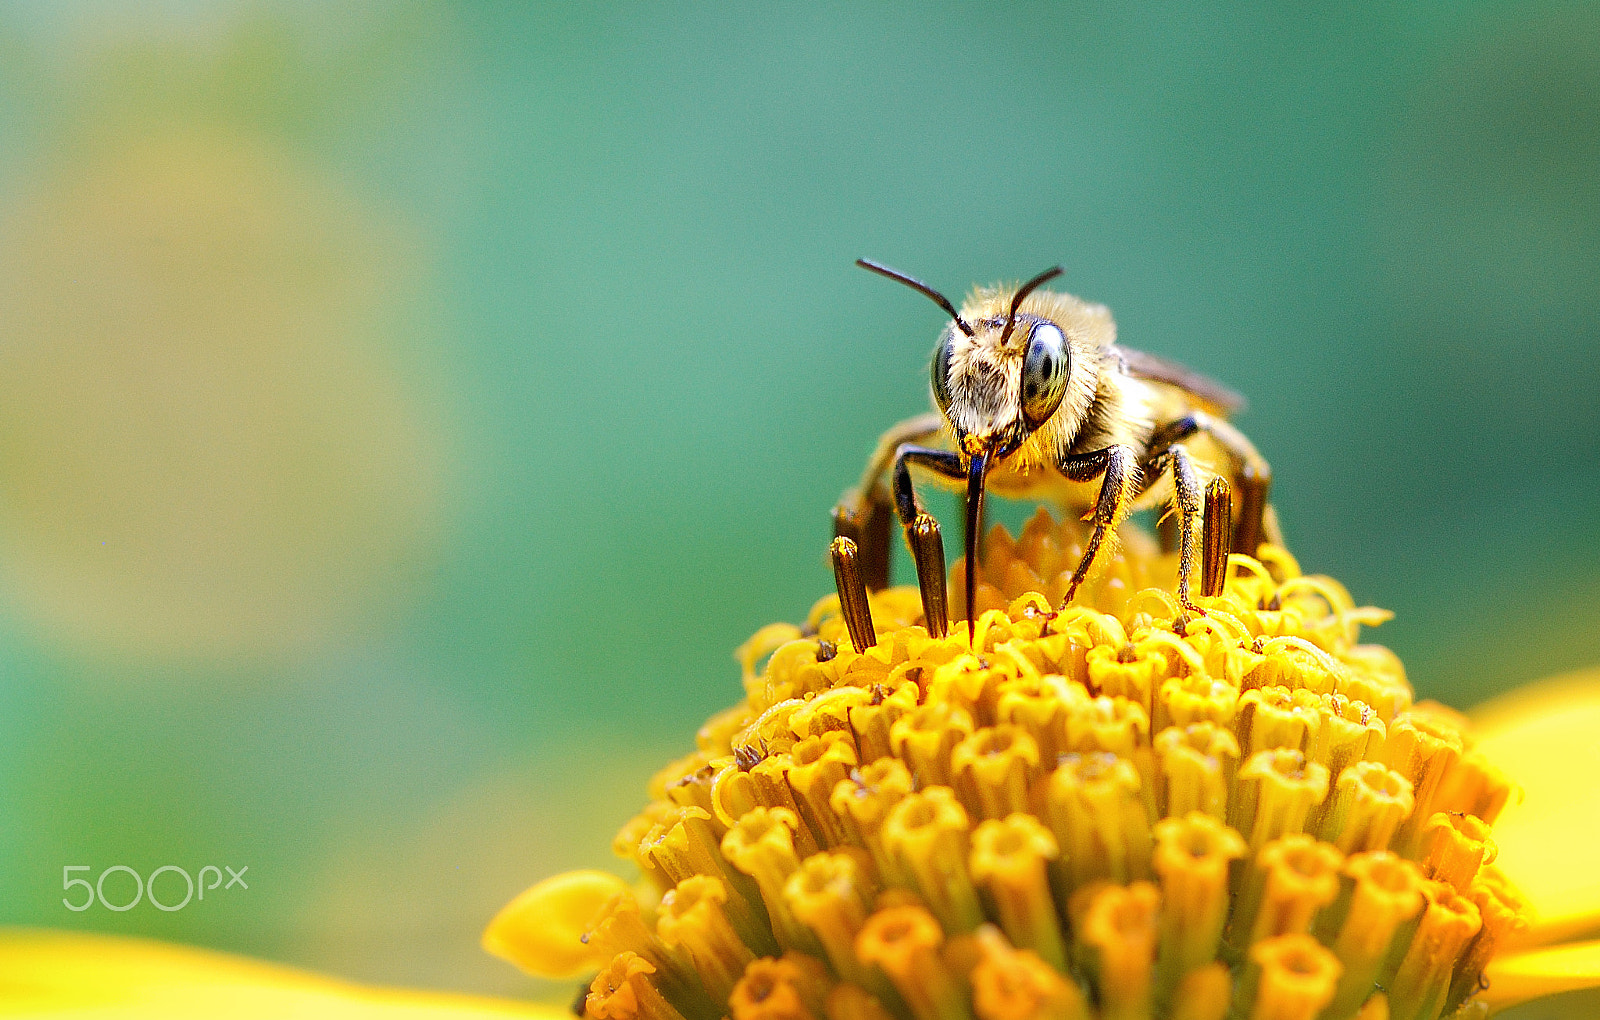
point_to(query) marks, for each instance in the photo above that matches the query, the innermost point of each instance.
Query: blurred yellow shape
(543, 929)
(1547, 738)
(1524, 976)
(46, 973)
(207, 443)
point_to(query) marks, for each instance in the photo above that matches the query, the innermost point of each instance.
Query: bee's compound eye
(1044, 373)
(939, 371)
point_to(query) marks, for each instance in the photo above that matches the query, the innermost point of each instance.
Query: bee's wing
(1147, 366)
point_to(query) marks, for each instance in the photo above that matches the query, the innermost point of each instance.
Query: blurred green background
(406, 409)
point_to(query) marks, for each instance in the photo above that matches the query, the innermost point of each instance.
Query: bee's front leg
(922, 531)
(862, 514)
(1120, 469)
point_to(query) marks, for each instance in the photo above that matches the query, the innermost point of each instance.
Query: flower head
(1116, 810)
(924, 828)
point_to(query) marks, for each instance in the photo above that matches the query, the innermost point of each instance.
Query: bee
(1035, 399)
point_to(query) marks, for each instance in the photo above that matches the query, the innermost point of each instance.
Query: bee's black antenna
(916, 284)
(1022, 292)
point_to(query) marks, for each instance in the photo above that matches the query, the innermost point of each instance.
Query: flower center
(1109, 811)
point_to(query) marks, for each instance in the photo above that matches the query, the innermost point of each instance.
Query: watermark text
(83, 893)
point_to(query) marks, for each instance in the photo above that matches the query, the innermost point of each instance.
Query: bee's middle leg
(1121, 471)
(1254, 521)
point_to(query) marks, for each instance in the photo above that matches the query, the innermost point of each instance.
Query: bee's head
(996, 378)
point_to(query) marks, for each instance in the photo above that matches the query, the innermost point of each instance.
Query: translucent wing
(1147, 366)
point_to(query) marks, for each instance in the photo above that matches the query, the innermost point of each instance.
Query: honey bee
(1035, 399)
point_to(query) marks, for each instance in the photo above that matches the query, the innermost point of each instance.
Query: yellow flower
(1112, 811)
(1098, 813)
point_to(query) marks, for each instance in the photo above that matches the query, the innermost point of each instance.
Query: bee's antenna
(1022, 292)
(916, 284)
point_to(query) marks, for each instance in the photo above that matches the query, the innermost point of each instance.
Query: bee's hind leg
(1216, 537)
(864, 519)
(1256, 522)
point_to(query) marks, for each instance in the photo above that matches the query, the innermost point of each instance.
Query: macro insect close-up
(473, 544)
(1037, 400)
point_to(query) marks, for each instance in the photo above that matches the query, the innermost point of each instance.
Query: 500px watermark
(144, 889)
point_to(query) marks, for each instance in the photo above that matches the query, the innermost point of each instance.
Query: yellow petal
(1522, 976)
(51, 973)
(1544, 738)
(542, 930)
